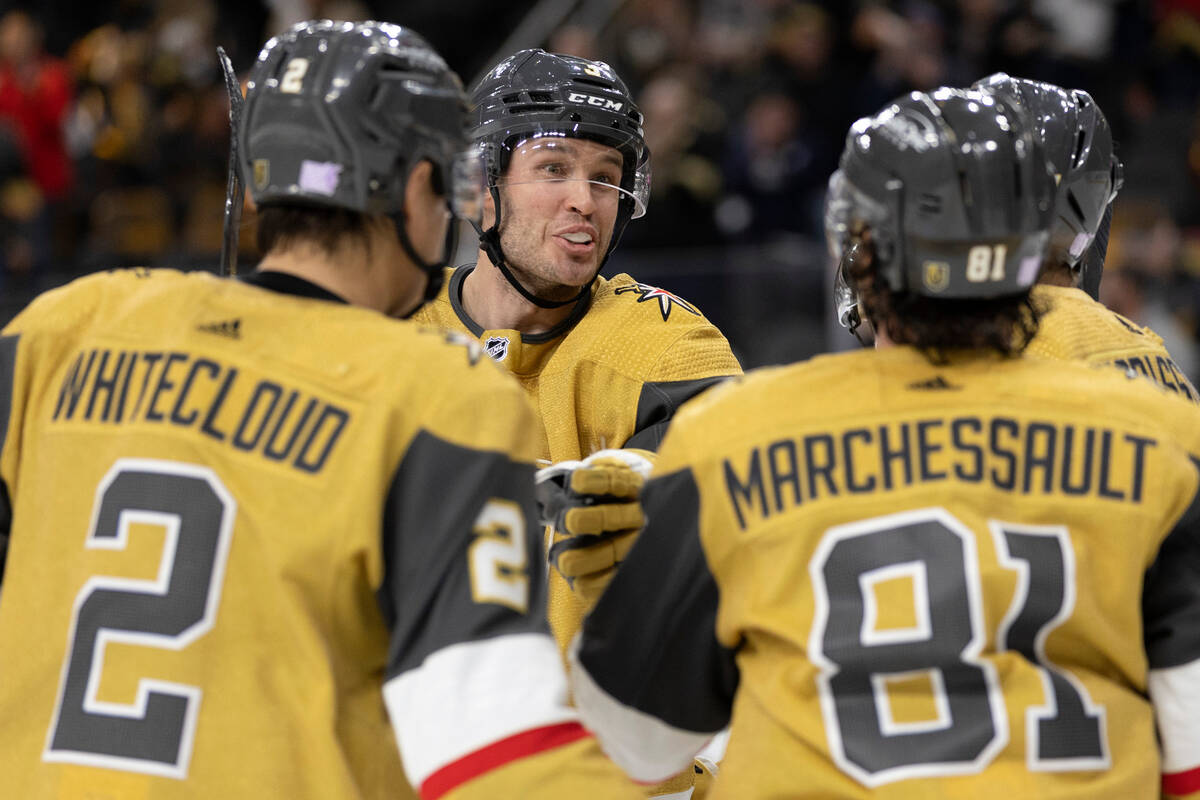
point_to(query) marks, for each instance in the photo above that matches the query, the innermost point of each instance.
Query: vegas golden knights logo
(936, 276)
(262, 172)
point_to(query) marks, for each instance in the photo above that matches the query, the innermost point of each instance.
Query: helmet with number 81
(947, 195)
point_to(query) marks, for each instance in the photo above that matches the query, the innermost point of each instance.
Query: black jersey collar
(286, 283)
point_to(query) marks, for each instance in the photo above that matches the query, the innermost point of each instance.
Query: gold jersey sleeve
(971, 580)
(260, 545)
(1074, 327)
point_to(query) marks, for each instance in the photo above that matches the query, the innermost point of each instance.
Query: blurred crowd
(114, 137)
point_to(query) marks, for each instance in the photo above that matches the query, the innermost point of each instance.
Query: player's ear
(420, 190)
(425, 213)
(489, 209)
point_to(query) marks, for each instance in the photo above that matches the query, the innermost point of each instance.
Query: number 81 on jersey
(858, 662)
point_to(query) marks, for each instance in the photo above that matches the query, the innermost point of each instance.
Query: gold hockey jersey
(902, 581)
(1074, 327)
(611, 375)
(260, 543)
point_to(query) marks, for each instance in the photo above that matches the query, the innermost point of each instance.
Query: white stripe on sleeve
(647, 748)
(1175, 692)
(467, 696)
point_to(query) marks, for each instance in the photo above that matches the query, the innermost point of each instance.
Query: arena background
(122, 158)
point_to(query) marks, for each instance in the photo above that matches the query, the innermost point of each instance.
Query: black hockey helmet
(337, 114)
(956, 192)
(1079, 146)
(534, 94)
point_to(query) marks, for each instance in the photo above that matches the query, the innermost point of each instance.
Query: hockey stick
(235, 188)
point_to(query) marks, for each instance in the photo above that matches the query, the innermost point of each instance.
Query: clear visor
(837, 216)
(843, 205)
(838, 207)
(1118, 178)
(845, 298)
(559, 159)
(468, 185)
(849, 313)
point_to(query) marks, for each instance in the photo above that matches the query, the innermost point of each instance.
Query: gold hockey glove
(593, 508)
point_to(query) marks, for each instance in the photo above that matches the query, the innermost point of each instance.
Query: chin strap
(489, 242)
(436, 270)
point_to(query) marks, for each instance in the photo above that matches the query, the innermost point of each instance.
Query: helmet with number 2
(955, 191)
(337, 114)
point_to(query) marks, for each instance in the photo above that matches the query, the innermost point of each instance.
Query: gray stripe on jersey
(651, 642)
(658, 402)
(1171, 593)
(435, 499)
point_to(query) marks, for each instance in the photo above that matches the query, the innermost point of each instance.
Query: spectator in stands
(35, 96)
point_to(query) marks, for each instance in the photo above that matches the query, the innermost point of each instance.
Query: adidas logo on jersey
(230, 327)
(937, 382)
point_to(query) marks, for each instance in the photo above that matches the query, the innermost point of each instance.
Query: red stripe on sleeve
(1182, 782)
(497, 754)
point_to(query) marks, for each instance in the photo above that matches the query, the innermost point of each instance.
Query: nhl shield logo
(937, 276)
(496, 347)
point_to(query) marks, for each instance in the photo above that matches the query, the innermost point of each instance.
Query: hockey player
(253, 521)
(1079, 145)
(606, 362)
(936, 568)
(1074, 325)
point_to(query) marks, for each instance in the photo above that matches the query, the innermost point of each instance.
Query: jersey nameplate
(1008, 454)
(131, 387)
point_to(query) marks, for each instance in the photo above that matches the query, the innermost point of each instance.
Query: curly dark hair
(1005, 325)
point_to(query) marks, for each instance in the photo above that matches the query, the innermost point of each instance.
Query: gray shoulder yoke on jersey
(657, 651)
(429, 527)
(658, 403)
(1171, 593)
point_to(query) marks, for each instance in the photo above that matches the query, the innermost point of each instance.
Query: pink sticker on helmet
(1080, 243)
(320, 177)
(1028, 271)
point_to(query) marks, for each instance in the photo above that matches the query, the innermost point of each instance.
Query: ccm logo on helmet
(592, 100)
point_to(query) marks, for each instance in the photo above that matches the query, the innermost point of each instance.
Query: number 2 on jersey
(937, 553)
(154, 734)
(496, 556)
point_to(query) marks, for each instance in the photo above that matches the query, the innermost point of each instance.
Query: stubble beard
(534, 271)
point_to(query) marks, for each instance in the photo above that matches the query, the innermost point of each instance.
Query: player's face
(559, 202)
